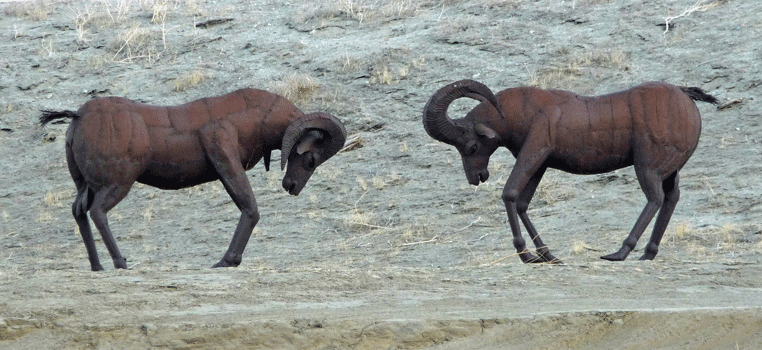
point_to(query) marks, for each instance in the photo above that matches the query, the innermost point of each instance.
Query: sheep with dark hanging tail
(113, 142)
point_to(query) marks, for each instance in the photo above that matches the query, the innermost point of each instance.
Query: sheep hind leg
(79, 210)
(651, 185)
(104, 199)
(671, 196)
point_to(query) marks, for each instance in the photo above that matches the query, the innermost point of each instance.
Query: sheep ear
(309, 141)
(303, 146)
(485, 131)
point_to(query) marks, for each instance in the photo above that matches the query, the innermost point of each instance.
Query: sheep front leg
(220, 141)
(522, 205)
(518, 190)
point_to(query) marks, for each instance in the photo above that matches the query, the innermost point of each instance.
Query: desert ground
(388, 246)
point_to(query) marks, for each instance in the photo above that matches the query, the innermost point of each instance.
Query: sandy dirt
(388, 247)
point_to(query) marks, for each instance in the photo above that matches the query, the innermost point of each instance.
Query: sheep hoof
(614, 257)
(529, 258)
(223, 263)
(647, 256)
(120, 263)
(546, 256)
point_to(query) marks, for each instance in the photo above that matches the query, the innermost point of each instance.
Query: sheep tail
(49, 116)
(697, 94)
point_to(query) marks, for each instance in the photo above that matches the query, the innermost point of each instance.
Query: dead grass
(161, 10)
(132, 43)
(137, 41)
(297, 88)
(358, 219)
(571, 67)
(351, 64)
(582, 3)
(364, 11)
(58, 198)
(148, 213)
(46, 48)
(37, 10)
(188, 80)
(553, 189)
(681, 230)
(416, 231)
(579, 247)
(729, 233)
(713, 242)
(394, 66)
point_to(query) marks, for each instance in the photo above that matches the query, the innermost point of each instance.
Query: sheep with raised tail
(113, 142)
(654, 127)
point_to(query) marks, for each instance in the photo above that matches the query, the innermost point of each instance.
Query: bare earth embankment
(387, 247)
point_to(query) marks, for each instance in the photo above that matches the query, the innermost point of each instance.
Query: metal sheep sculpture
(654, 127)
(113, 142)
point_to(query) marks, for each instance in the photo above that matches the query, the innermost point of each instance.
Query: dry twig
(432, 240)
(697, 7)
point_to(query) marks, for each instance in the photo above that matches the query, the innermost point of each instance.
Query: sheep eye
(311, 162)
(471, 148)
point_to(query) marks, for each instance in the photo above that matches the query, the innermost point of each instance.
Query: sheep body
(164, 144)
(113, 142)
(654, 127)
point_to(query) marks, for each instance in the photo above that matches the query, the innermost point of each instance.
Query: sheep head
(474, 140)
(308, 142)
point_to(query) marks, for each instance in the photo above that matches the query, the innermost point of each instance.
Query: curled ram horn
(435, 119)
(324, 122)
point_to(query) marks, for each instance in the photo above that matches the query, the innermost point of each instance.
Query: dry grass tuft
(297, 88)
(729, 233)
(351, 64)
(579, 247)
(161, 10)
(553, 190)
(415, 232)
(382, 75)
(55, 198)
(363, 183)
(359, 219)
(554, 77)
(364, 11)
(389, 72)
(564, 75)
(37, 10)
(682, 230)
(728, 240)
(148, 213)
(582, 3)
(189, 80)
(132, 43)
(616, 59)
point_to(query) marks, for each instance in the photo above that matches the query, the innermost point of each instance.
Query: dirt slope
(388, 247)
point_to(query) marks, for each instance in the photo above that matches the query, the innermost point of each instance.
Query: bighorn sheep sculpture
(113, 142)
(654, 126)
